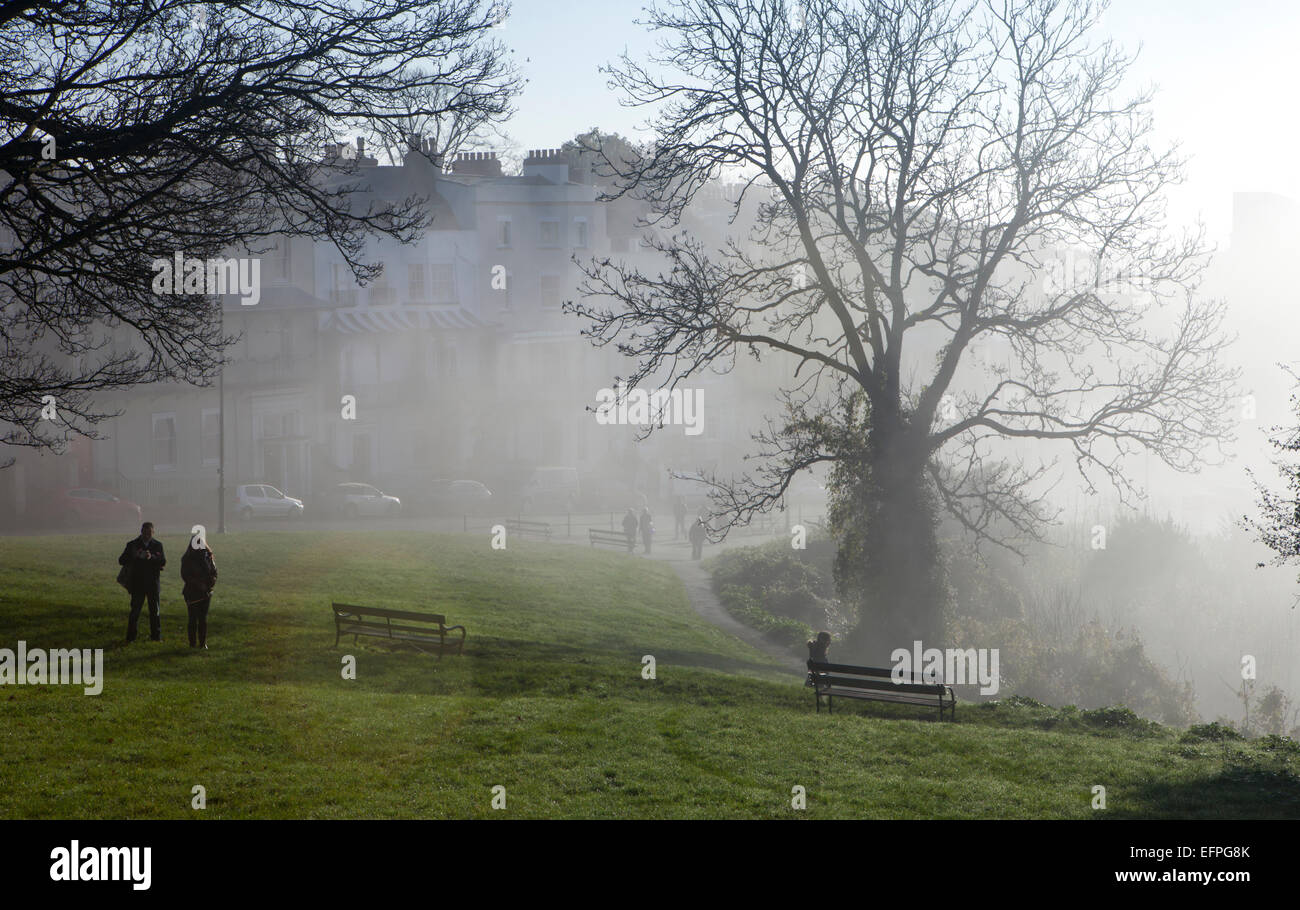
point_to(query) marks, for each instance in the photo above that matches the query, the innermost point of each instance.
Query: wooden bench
(877, 684)
(526, 528)
(413, 628)
(597, 536)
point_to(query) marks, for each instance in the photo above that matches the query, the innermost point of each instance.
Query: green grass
(548, 701)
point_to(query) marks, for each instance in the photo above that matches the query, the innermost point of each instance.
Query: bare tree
(133, 130)
(918, 161)
(1277, 525)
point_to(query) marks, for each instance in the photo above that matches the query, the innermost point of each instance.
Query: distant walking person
(144, 560)
(697, 535)
(629, 528)
(199, 572)
(679, 517)
(647, 529)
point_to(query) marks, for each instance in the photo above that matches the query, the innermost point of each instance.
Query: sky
(1224, 74)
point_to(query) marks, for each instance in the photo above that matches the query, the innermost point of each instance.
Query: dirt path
(699, 589)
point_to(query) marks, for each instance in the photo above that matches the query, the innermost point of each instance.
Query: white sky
(1225, 74)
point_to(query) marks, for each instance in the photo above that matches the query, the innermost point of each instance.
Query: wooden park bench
(600, 537)
(527, 528)
(413, 628)
(877, 684)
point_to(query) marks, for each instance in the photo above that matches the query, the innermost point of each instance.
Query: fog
(458, 382)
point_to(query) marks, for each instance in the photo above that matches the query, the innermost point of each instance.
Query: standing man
(144, 559)
(697, 538)
(629, 529)
(679, 517)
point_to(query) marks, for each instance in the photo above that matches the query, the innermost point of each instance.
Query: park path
(699, 591)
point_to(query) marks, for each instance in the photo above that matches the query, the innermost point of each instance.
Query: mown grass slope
(548, 701)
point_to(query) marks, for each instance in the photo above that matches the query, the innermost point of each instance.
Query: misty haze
(864, 409)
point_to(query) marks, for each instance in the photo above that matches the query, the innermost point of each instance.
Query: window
(343, 288)
(164, 442)
(276, 426)
(210, 435)
(444, 283)
(503, 231)
(381, 293)
(550, 232)
(549, 291)
(580, 233)
(286, 257)
(415, 281)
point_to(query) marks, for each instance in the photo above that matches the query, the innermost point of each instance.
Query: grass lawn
(547, 701)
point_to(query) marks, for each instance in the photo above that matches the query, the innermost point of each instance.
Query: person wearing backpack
(199, 573)
(143, 558)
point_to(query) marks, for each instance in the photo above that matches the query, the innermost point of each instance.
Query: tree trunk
(895, 575)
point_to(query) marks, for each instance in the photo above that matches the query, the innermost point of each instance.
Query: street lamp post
(221, 432)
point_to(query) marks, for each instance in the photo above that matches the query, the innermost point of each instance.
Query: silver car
(261, 500)
(354, 500)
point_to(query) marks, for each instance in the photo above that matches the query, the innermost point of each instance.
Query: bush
(744, 608)
(778, 591)
(1093, 668)
(1213, 733)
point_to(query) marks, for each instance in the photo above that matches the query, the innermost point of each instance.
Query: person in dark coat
(647, 528)
(199, 572)
(144, 560)
(679, 517)
(696, 534)
(818, 649)
(629, 528)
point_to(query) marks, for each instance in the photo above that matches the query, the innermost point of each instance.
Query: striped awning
(370, 319)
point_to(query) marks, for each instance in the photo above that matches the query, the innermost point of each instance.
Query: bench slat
(882, 685)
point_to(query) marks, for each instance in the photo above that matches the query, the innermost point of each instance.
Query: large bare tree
(134, 129)
(918, 163)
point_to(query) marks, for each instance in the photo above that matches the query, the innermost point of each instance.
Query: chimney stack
(477, 164)
(549, 164)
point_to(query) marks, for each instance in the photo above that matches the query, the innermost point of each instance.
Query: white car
(261, 500)
(550, 488)
(353, 500)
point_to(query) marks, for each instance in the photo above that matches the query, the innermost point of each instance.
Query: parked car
(86, 506)
(550, 489)
(450, 497)
(261, 500)
(354, 500)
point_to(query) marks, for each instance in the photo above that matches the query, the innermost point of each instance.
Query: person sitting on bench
(817, 649)
(818, 646)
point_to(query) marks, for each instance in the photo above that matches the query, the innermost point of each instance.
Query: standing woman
(199, 572)
(647, 528)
